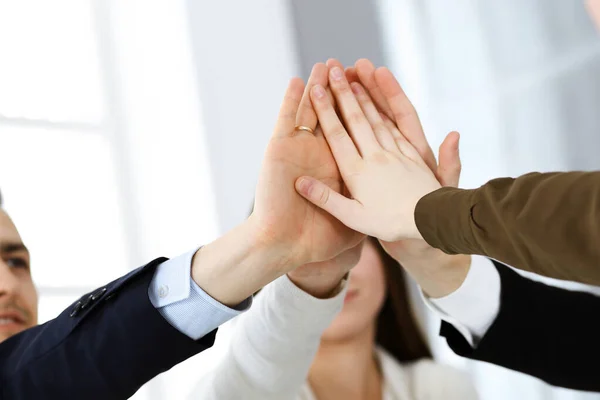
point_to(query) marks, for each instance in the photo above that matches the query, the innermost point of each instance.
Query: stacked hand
(387, 165)
(305, 233)
(363, 174)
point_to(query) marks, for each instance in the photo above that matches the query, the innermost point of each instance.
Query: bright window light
(49, 64)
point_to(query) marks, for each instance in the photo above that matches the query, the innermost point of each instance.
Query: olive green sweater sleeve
(544, 223)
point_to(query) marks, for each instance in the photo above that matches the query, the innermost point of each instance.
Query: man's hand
(283, 219)
(284, 231)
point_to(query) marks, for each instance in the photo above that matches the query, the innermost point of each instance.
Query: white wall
(243, 61)
(245, 56)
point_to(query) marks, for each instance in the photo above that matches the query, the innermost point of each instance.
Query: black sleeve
(105, 346)
(543, 331)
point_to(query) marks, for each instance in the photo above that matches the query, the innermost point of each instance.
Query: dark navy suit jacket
(105, 346)
(543, 331)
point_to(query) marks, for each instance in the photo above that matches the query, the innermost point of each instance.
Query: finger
(306, 114)
(351, 74)
(366, 74)
(354, 118)
(448, 171)
(405, 115)
(382, 133)
(403, 145)
(332, 62)
(342, 147)
(344, 209)
(286, 119)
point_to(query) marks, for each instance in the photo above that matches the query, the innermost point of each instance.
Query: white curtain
(519, 80)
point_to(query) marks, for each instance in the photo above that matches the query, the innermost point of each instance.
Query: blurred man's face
(18, 297)
(593, 7)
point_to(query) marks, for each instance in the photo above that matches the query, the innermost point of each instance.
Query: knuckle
(338, 133)
(343, 88)
(306, 106)
(287, 115)
(380, 128)
(323, 196)
(289, 98)
(379, 157)
(355, 117)
(404, 112)
(400, 140)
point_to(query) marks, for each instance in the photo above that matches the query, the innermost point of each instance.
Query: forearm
(238, 264)
(543, 223)
(436, 272)
(474, 306)
(440, 274)
(106, 350)
(540, 330)
(273, 345)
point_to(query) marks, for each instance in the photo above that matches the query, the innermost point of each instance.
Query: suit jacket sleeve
(543, 331)
(105, 346)
(544, 223)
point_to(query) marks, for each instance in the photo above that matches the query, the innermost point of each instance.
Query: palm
(287, 218)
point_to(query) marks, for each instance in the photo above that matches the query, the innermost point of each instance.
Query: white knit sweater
(274, 343)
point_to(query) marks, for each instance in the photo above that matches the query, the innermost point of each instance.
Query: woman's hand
(384, 174)
(437, 273)
(322, 279)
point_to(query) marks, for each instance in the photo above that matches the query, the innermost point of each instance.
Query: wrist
(439, 274)
(238, 264)
(320, 286)
(322, 279)
(279, 256)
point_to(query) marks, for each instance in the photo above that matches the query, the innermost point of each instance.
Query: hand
(385, 175)
(437, 273)
(322, 278)
(302, 232)
(390, 99)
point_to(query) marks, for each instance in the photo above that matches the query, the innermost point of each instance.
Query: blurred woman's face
(364, 299)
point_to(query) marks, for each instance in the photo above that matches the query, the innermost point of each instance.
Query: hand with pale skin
(284, 231)
(439, 274)
(385, 175)
(322, 278)
(285, 219)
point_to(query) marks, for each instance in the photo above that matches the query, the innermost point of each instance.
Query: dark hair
(397, 329)
(1, 201)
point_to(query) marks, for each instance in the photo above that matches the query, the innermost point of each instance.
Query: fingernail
(336, 73)
(356, 89)
(303, 186)
(318, 91)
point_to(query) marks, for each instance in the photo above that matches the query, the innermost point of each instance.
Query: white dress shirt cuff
(474, 306)
(183, 303)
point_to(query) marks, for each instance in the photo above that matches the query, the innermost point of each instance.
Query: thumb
(448, 170)
(328, 199)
